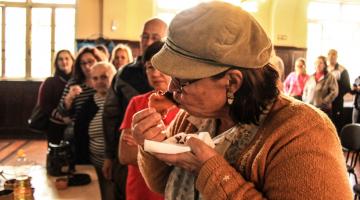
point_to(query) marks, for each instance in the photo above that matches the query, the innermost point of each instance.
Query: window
(334, 25)
(34, 30)
(167, 9)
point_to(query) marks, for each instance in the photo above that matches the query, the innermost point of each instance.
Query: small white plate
(171, 146)
(162, 147)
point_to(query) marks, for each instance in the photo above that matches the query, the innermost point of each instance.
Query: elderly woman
(222, 79)
(89, 133)
(121, 55)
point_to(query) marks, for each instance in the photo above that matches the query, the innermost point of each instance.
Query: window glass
(13, 0)
(15, 40)
(334, 26)
(55, 1)
(351, 12)
(65, 29)
(41, 42)
(323, 11)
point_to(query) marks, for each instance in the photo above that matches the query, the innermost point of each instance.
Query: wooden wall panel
(16, 103)
(289, 55)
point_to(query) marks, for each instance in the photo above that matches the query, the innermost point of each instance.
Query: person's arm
(287, 84)
(333, 90)
(61, 109)
(45, 96)
(308, 166)
(306, 91)
(154, 171)
(345, 83)
(128, 148)
(112, 117)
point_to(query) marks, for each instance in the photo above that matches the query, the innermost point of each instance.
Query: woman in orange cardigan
(267, 146)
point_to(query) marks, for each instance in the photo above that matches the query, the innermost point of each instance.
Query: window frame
(28, 5)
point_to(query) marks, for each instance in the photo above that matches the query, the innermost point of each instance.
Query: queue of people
(324, 89)
(221, 86)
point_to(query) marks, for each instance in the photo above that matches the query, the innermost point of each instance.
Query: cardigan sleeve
(305, 163)
(154, 171)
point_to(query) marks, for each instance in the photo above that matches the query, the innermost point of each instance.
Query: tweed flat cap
(210, 38)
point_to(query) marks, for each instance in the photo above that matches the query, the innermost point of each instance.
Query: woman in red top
(136, 188)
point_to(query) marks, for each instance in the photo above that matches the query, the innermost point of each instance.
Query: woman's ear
(235, 79)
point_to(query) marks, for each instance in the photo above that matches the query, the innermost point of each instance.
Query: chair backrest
(350, 137)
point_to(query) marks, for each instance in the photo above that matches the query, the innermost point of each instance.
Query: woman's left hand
(107, 168)
(191, 161)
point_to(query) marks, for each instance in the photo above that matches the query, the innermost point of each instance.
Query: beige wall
(87, 19)
(289, 23)
(284, 20)
(128, 16)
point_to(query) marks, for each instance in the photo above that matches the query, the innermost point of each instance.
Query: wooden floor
(35, 151)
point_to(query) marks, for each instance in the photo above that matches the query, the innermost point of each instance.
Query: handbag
(39, 119)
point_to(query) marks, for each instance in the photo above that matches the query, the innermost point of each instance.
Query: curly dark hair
(79, 76)
(259, 87)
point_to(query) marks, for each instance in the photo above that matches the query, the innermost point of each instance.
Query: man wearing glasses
(129, 81)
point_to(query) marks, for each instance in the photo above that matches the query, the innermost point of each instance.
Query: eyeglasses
(87, 62)
(181, 83)
(154, 37)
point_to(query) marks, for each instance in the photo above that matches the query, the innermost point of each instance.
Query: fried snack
(161, 103)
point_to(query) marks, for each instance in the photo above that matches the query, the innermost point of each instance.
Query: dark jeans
(119, 178)
(337, 117)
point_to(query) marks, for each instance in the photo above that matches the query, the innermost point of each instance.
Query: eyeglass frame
(87, 62)
(154, 37)
(183, 82)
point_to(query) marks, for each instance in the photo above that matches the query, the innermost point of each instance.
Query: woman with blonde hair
(295, 81)
(121, 55)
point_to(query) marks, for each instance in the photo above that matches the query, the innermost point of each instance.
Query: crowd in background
(325, 88)
(81, 111)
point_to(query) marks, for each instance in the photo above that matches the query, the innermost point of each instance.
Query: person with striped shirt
(77, 91)
(90, 125)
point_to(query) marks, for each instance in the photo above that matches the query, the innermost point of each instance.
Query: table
(45, 184)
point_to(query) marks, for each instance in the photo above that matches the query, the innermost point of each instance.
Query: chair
(350, 141)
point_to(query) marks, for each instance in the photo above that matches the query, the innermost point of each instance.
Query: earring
(230, 97)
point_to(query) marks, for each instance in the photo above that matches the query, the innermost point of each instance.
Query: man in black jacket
(129, 81)
(342, 77)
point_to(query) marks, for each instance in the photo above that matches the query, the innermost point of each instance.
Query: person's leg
(119, 177)
(106, 186)
(355, 115)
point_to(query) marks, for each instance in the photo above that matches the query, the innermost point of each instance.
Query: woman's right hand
(147, 124)
(74, 91)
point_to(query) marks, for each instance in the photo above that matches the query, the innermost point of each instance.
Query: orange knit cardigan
(296, 154)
